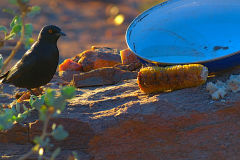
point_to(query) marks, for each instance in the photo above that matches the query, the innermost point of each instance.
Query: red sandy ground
(213, 136)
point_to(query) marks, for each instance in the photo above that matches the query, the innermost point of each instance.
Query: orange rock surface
(70, 65)
(210, 136)
(79, 133)
(92, 59)
(128, 57)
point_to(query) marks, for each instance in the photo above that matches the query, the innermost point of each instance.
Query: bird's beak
(62, 33)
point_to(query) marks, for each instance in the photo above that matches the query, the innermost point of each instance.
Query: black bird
(38, 65)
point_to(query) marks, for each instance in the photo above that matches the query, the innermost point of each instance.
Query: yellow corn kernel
(164, 79)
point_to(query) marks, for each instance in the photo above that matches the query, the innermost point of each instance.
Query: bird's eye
(50, 31)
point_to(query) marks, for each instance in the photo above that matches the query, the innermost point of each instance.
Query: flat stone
(120, 122)
(94, 59)
(102, 76)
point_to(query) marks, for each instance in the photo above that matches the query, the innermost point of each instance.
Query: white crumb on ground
(234, 83)
(219, 89)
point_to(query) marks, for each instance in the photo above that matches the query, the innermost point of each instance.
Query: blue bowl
(188, 31)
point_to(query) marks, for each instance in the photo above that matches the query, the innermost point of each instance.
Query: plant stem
(44, 133)
(18, 45)
(43, 136)
(25, 156)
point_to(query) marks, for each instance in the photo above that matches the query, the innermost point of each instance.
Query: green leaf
(14, 118)
(59, 103)
(28, 29)
(3, 29)
(16, 20)
(68, 92)
(6, 119)
(49, 97)
(59, 133)
(34, 10)
(25, 108)
(14, 111)
(16, 29)
(46, 142)
(37, 140)
(22, 116)
(54, 126)
(33, 98)
(43, 113)
(18, 108)
(75, 155)
(9, 10)
(36, 102)
(42, 143)
(28, 34)
(55, 153)
(28, 42)
(13, 1)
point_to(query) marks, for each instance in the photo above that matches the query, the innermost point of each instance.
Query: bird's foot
(26, 95)
(36, 91)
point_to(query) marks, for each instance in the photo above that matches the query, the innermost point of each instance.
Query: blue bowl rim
(144, 14)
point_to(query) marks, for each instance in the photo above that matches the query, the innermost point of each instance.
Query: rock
(98, 49)
(121, 122)
(102, 76)
(70, 65)
(130, 67)
(17, 134)
(79, 136)
(79, 133)
(94, 59)
(13, 151)
(128, 57)
(105, 50)
(196, 136)
(67, 75)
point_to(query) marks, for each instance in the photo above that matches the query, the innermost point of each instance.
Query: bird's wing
(3, 76)
(22, 66)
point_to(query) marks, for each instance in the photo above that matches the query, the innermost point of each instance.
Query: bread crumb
(234, 83)
(219, 89)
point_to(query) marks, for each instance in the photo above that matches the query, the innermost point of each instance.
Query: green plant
(18, 27)
(10, 116)
(49, 105)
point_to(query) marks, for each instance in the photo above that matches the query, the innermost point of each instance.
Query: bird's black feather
(38, 65)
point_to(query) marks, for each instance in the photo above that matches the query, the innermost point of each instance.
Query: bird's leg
(25, 96)
(36, 91)
(32, 93)
(39, 90)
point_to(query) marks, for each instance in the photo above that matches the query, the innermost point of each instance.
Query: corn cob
(164, 79)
